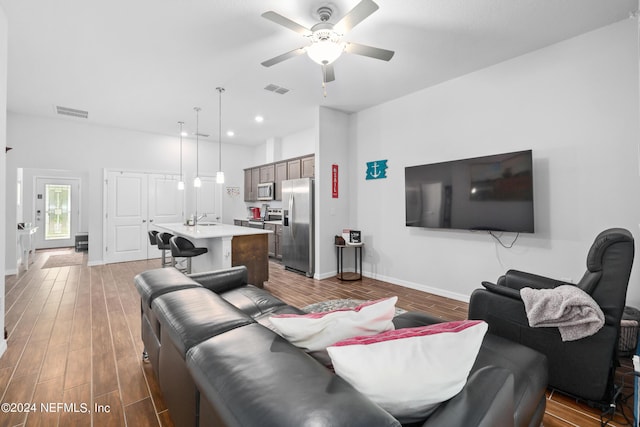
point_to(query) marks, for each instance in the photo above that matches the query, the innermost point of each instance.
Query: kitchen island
(227, 246)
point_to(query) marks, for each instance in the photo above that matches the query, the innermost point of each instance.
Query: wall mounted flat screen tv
(493, 193)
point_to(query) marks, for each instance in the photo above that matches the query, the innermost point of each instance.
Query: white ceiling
(145, 64)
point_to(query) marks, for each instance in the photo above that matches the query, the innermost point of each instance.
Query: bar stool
(153, 240)
(162, 240)
(181, 247)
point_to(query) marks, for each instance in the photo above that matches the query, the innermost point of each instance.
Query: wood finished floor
(74, 338)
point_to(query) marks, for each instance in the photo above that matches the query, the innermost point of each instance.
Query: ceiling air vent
(65, 111)
(277, 89)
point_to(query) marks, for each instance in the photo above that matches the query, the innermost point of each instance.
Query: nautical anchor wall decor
(377, 169)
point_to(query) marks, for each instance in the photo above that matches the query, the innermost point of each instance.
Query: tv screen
(493, 193)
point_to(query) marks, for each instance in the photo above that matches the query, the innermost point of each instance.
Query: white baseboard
(94, 263)
(420, 287)
(11, 272)
(417, 286)
(3, 344)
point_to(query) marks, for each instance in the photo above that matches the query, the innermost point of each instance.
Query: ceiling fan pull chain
(324, 79)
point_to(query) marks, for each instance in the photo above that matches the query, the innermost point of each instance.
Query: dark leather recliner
(584, 368)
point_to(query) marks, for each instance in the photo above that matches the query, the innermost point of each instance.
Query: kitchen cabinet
(281, 175)
(251, 180)
(293, 169)
(255, 180)
(274, 247)
(267, 173)
(278, 239)
(248, 192)
(307, 167)
(299, 167)
(272, 239)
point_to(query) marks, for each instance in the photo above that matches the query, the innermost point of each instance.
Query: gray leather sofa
(219, 364)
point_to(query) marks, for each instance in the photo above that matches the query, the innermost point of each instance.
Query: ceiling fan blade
(278, 59)
(328, 75)
(356, 15)
(286, 22)
(373, 52)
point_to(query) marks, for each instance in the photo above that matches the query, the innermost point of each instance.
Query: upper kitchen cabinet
(299, 167)
(293, 169)
(302, 167)
(308, 167)
(267, 173)
(251, 180)
(281, 175)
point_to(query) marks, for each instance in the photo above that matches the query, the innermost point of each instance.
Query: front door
(57, 212)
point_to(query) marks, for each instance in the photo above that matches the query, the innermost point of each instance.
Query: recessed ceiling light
(185, 134)
(259, 119)
(230, 133)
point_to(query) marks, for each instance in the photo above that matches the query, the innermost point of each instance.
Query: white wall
(287, 147)
(299, 144)
(3, 168)
(574, 103)
(332, 214)
(73, 145)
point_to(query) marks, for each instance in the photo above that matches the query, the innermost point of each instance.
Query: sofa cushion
(528, 366)
(265, 318)
(254, 377)
(194, 315)
(223, 280)
(410, 371)
(529, 369)
(314, 332)
(252, 300)
(153, 283)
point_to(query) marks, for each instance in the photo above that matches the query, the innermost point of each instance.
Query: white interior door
(126, 216)
(135, 201)
(57, 212)
(166, 204)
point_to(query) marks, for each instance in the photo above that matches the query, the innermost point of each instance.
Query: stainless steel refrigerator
(297, 225)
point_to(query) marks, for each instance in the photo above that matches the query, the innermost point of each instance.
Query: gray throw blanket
(568, 307)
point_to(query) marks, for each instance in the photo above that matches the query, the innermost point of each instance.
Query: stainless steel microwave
(266, 191)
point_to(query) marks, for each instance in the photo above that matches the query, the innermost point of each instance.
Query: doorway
(57, 212)
(134, 202)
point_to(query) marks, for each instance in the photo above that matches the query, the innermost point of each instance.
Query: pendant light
(220, 174)
(197, 183)
(181, 182)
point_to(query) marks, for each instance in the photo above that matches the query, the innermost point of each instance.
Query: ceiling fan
(327, 42)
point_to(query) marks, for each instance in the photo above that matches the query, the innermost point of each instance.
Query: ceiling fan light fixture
(326, 47)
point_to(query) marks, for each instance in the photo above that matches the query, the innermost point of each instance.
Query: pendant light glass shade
(197, 183)
(181, 181)
(220, 174)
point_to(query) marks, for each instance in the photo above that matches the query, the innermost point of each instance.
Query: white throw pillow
(408, 372)
(314, 332)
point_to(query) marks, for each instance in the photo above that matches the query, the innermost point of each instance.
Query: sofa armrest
(515, 279)
(502, 290)
(220, 281)
(485, 401)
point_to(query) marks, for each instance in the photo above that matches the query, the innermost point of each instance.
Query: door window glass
(57, 211)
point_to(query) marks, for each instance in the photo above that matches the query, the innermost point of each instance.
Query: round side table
(348, 276)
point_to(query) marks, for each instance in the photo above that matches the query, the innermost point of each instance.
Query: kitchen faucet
(198, 218)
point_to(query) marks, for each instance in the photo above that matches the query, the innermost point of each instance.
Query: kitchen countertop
(210, 230)
(276, 222)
